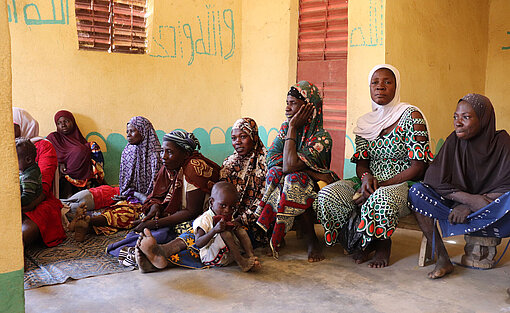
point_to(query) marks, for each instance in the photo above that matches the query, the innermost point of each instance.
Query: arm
(32, 205)
(202, 238)
(194, 207)
(468, 203)
(416, 171)
(291, 161)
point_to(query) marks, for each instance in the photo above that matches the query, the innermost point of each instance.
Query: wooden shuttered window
(112, 25)
(322, 60)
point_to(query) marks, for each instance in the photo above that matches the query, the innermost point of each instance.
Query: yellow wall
(11, 257)
(365, 50)
(269, 59)
(440, 49)
(104, 90)
(498, 61)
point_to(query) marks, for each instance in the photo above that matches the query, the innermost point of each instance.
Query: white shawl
(370, 125)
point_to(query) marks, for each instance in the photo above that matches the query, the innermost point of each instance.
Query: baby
(29, 173)
(219, 239)
(220, 243)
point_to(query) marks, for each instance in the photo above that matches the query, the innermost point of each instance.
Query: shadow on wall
(113, 145)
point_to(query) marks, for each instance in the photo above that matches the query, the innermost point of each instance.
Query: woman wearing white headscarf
(43, 220)
(392, 151)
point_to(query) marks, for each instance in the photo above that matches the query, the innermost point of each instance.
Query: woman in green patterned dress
(392, 150)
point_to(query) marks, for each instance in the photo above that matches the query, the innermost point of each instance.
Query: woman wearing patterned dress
(246, 170)
(392, 150)
(299, 157)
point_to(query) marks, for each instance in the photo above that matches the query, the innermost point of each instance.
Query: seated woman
(80, 162)
(466, 188)
(41, 220)
(299, 157)
(180, 193)
(140, 161)
(392, 149)
(246, 170)
(139, 165)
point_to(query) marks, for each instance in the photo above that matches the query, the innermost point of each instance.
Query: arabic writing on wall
(507, 47)
(32, 15)
(214, 36)
(375, 29)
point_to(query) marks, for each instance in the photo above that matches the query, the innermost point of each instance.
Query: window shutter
(322, 59)
(112, 25)
(93, 24)
(129, 26)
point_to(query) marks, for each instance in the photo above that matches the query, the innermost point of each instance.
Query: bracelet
(290, 139)
(157, 227)
(364, 174)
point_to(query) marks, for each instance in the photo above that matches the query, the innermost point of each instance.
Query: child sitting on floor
(29, 174)
(220, 243)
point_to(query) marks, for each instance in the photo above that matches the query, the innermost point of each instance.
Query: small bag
(350, 238)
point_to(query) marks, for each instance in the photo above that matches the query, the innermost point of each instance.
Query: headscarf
(140, 163)
(247, 173)
(28, 125)
(72, 150)
(313, 141)
(370, 125)
(183, 139)
(197, 170)
(478, 165)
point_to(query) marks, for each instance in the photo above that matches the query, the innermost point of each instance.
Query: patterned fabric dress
(288, 196)
(389, 155)
(248, 174)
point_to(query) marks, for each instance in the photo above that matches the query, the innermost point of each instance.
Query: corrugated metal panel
(322, 59)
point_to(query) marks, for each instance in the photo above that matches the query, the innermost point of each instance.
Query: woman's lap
(491, 221)
(379, 214)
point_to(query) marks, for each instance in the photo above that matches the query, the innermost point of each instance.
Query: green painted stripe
(11, 292)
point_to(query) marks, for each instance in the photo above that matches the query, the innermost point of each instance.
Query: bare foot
(315, 251)
(382, 254)
(80, 212)
(144, 264)
(248, 264)
(256, 266)
(81, 228)
(149, 247)
(360, 256)
(443, 268)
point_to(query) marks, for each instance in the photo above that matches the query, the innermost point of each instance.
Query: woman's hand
(141, 225)
(359, 198)
(459, 214)
(302, 116)
(154, 212)
(369, 185)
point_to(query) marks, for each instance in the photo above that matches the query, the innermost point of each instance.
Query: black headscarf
(478, 165)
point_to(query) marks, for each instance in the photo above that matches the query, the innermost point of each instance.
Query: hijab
(313, 141)
(478, 165)
(140, 163)
(72, 149)
(247, 173)
(370, 125)
(28, 125)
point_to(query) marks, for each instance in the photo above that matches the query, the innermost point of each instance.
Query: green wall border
(12, 297)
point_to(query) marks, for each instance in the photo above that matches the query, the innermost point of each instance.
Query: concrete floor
(291, 284)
